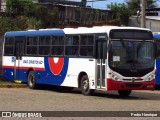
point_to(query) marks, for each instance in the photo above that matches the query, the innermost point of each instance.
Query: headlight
(114, 77)
(151, 77)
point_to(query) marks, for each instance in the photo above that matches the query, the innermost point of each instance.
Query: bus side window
(57, 45)
(31, 47)
(72, 46)
(9, 46)
(44, 45)
(86, 45)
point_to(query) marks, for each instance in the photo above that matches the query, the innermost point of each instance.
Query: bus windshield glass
(135, 55)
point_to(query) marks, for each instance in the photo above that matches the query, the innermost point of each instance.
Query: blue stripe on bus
(47, 76)
(34, 33)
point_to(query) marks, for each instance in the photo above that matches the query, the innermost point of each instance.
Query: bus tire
(31, 81)
(124, 93)
(85, 86)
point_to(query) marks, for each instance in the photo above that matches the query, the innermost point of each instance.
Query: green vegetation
(24, 14)
(6, 82)
(134, 5)
(122, 12)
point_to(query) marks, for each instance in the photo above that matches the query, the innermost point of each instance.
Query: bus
(157, 40)
(97, 58)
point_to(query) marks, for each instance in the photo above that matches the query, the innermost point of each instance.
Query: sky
(99, 4)
(102, 4)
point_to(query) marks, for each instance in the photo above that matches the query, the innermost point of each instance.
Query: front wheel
(85, 86)
(124, 93)
(31, 80)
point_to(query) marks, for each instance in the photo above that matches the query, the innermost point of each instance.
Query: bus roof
(34, 32)
(97, 29)
(79, 30)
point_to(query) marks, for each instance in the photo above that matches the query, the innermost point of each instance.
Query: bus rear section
(27, 56)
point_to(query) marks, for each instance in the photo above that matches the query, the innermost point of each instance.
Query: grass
(5, 81)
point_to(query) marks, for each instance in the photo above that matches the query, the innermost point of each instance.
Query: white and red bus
(97, 58)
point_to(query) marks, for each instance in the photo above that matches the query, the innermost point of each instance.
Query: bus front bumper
(121, 85)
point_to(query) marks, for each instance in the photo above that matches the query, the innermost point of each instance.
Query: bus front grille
(131, 80)
(133, 85)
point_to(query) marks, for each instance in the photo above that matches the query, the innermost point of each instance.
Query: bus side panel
(50, 70)
(65, 71)
(8, 67)
(30, 63)
(158, 71)
(8, 73)
(75, 67)
(54, 72)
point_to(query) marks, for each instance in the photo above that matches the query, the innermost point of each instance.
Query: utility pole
(143, 13)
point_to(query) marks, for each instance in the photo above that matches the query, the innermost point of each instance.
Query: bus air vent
(133, 85)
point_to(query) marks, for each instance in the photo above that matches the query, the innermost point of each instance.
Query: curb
(13, 86)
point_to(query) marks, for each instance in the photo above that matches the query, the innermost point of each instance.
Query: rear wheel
(31, 80)
(124, 93)
(85, 86)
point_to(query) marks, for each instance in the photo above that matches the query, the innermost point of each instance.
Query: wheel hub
(85, 85)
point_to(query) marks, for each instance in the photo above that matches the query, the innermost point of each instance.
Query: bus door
(101, 54)
(19, 50)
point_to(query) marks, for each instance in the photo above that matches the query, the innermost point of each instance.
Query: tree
(47, 15)
(19, 7)
(51, 17)
(34, 23)
(4, 24)
(122, 12)
(134, 5)
(27, 15)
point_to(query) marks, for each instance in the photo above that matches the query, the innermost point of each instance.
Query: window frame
(88, 45)
(72, 45)
(13, 45)
(26, 45)
(44, 45)
(58, 45)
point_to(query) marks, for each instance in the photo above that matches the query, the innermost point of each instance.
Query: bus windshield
(132, 55)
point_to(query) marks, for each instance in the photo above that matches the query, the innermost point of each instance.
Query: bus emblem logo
(133, 79)
(56, 65)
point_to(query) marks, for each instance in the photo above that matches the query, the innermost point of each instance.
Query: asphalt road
(48, 99)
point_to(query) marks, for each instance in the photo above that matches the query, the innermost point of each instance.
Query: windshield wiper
(122, 41)
(139, 46)
(126, 47)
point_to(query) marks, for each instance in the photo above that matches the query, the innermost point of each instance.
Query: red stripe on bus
(24, 68)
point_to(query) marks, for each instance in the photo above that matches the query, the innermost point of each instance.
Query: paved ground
(48, 99)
